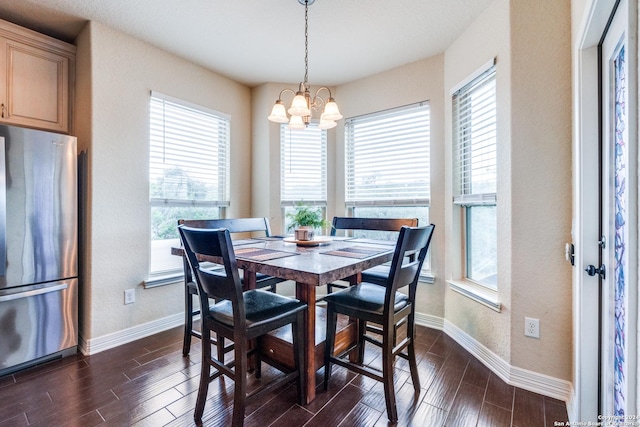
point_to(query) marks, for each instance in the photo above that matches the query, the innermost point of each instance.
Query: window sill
(478, 293)
(164, 279)
(427, 278)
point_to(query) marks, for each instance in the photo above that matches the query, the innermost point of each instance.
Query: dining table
(310, 264)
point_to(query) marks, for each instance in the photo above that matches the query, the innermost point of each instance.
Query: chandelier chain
(306, 44)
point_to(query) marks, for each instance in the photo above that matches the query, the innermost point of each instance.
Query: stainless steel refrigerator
(38, 247)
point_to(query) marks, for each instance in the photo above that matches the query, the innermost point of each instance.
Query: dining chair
(380, 273)
(240, 316)
(383, 305)
(234, 225)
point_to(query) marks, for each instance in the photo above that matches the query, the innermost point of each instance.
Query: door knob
(592, 270)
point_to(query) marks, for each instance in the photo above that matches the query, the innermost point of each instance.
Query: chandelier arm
(285, 90)
(320, 88)
(317, 102)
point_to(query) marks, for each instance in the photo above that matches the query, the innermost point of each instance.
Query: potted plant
(304, 220)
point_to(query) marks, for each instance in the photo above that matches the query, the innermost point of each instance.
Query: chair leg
(387, 375)
(411, 353)
(205, 373)
(362, 329)
(258, 357)
(297, 333)
(240, 392)
(188, 322)
(332, 317)
(220, 348)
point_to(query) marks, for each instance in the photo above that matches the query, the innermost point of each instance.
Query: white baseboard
(106, 342)
(512, 375)
(433, 322)
(572, 406)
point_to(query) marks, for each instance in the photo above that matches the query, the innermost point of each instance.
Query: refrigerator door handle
(3, 210)
(26, 294)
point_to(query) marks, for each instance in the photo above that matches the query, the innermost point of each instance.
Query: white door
(617, 331)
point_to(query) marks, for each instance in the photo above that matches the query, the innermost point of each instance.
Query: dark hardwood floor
(149, 383)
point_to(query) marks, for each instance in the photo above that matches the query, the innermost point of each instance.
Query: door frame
(586, 204)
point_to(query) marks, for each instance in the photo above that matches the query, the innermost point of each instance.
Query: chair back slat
(411, 240)
(213, 284)
(234, 225)
(372, 224)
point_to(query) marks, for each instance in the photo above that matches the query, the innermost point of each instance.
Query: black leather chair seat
(259, 306)
(366, 297)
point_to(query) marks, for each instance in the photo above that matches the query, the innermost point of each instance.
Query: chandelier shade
(326, 124)
(296, 122)
(299, 106)
(303, 104)
(278, 113)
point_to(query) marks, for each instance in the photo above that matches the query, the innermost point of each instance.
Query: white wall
(531, 41)
(116, 74)
(487, 38)
(541, 183)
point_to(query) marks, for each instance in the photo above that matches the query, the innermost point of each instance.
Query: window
(387, 164)
(303, 168)
(188, 172)
(474, 140)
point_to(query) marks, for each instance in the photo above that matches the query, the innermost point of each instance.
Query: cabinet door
(36, 88)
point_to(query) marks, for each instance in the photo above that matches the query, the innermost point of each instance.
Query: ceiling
(258, 41)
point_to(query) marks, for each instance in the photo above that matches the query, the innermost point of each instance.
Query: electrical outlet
(129, 296)
(531, 327)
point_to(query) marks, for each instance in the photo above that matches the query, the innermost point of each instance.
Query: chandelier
(303, 103)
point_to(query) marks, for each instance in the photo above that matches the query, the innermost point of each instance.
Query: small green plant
(305, 216)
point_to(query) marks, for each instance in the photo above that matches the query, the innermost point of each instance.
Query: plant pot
(304, 233)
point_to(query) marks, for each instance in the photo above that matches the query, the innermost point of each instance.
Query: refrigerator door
(37, 322)
(41, 207)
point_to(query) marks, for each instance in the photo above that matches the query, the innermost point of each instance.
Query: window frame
(421, 196)
(464, 195)
(220, 139)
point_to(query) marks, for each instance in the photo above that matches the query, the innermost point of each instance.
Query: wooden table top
(311, 265)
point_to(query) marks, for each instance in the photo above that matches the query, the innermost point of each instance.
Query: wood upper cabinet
(36, 78)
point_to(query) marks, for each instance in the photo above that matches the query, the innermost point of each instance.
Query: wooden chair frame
(387, 308)
(240, 316)
(234, 225)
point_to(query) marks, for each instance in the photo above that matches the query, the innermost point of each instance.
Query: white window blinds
(387, 157)
(474, 137)
(189, 154)
(303, 168)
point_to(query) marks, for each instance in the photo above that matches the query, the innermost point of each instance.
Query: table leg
(307, 293)
(354, 280)
(249, 282)
(249, 279)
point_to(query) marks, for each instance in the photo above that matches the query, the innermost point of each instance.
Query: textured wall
(485, 39)
(123, 71)
(541, 183)
(531, 41)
